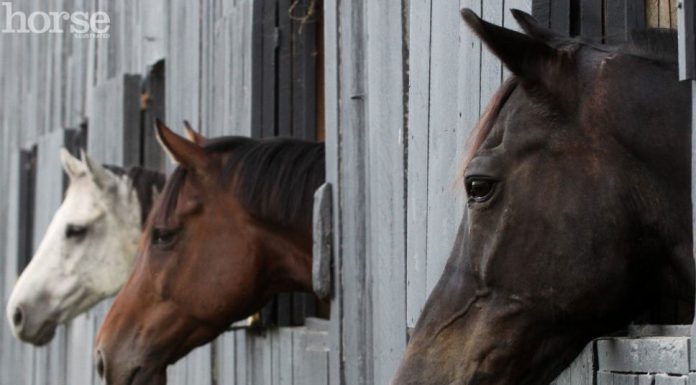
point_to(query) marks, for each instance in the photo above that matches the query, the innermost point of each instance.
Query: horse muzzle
(27, 327)
(127, 371)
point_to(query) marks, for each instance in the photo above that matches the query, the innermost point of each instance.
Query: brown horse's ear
(192, 135)
(528, 57)
(183, 152)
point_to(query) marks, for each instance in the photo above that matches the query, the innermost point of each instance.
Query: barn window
(287, 101)
(26, 204)
(286, 56)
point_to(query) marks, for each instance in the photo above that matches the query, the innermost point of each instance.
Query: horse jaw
(66, 278)
(494, 340)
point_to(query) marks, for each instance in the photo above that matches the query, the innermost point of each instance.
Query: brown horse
(232, 229)
(579, 211)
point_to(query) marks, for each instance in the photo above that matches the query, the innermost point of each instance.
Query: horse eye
(75, 231)
(479, 189)
(163, 237)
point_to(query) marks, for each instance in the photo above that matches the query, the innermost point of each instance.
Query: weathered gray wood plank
(198, 366)
(386, 232)
(311, 355)
(79, 350)
(332, 139)
(115, 121)
(420, 13)
(243, 358)
(183, 63)
(260, 358)
(352, 184)
(226, 359)
(654, 355)
(154, 34)
(444, 207)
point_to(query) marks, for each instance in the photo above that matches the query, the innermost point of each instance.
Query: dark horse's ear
(182, 151)
(528, 57)
(531, 27)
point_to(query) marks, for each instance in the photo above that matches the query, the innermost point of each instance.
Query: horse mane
(273, 178)
(144, 182)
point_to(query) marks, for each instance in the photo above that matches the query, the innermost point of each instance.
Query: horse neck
(289, 257)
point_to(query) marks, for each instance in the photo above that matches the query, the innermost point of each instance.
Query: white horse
(87, 252)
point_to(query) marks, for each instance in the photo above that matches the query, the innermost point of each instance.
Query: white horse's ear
(72, 166)
(101, 176)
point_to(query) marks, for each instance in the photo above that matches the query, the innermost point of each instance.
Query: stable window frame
(287, 101)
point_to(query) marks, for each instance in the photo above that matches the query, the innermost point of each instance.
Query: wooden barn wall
(405, 82)
(51, 83)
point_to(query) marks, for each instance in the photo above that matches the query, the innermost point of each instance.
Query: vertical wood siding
(194, 61)
(405, 83)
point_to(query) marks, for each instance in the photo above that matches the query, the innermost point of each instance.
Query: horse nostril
(101, 366)
(18, 317)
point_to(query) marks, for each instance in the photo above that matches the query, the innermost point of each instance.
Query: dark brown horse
(579, 212)
(232, 229)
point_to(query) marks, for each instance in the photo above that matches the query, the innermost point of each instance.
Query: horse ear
(528, 57)
(72, 166)
(101, 176)
(531, 27)
(192, 135)
(183, 152)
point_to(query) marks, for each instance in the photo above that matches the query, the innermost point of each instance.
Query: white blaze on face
(85, 256)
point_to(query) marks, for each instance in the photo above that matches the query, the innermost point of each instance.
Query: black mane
(274, 178)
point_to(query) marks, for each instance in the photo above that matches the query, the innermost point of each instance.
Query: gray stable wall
(395, 129)
(50, 83)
